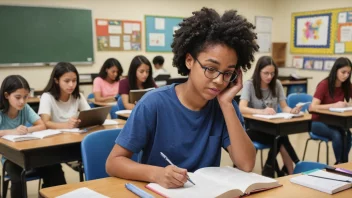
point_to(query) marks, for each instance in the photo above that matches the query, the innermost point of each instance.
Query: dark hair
(132, 76)
(9, 85)
(263, 62)
(158, 60)
(346, 86)
(111, 62)
(60, 69)
(205, 28)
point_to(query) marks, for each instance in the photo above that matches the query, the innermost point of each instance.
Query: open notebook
(323, 185)
(32, 136)
(223, 182)
(279, 115)
(340, 110)
(136, 95)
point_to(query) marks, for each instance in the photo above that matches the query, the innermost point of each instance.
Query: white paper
(318, 65)
(74, 130)
(339, 48)
(342, 17)
(82, 192)
(346, 34)
(264, 42)
(159, 23)
(126, 38)
(115, 29)
(115, 41)
(263, 24)
(127, 28)
(297, 62)
(328, 64)
(127, 46)
(102, 22)
(157, 39)
(136, 27)
(110, 122)
(120, 112)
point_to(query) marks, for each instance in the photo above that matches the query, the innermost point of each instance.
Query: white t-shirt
(158, 72)
(61, 111)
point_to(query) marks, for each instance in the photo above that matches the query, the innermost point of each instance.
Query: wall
(282, 29)
(133, 10)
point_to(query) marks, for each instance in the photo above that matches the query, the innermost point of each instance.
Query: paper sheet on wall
(136, 27)
(263, 24)
(339, 48)
(127, 45)
(102, 22)
(157, 39)
(114, 41)
(127, 28)
(264, 42)
(115, 29)
(342, 17)
(126, 38)
(346, 34)
(159, 23)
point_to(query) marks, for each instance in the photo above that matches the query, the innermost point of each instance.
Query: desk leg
(24, 183)
(275, 153)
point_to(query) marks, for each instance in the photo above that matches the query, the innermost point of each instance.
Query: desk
(56, 149)
(342, 120)
(114, 187)
(102, 104)
(279, 127)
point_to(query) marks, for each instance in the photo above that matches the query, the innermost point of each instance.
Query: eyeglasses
(268, 73)
(212, 73)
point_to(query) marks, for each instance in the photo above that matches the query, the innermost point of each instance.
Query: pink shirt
(105, 88)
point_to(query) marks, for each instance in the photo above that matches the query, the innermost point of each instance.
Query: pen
(138, 191)
(331, 178)
(167, 159)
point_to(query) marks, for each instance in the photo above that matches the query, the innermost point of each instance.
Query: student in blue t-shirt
(190, 122)
(14, 114)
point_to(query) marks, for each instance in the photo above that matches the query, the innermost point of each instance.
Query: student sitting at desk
(262, 95)
(15, 113)
(106, 86)
(190, 122)
(158, 63)
(61, 100)
(334, 91)
(139, 77)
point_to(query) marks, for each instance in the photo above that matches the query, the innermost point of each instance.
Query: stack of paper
(340, 110)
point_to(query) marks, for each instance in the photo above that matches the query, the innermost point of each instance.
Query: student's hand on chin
(228, 94)
(21, 130)
(171, 177)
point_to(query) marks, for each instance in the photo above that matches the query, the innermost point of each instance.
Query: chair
(113, 110)
(304, 166)
(94, 161)
(91, 96)
(261, 147)
(120, 104)
(292, 100)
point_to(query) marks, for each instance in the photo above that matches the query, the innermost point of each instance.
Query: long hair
(263, 62)
(60, 69)
(111, 62)
(132, 73)
(9, 85)
(346, 86)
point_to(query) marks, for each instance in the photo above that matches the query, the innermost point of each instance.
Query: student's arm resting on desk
(99, 98)
(126, 103)
(316, 104)
(70, 124)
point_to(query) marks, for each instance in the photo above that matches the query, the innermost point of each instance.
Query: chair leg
(327, 153)
(319, 151)
(305, 148)
(5, 186)
(261, 158)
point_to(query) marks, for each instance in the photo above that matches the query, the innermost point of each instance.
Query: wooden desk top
(293, 82)
(327, 112)
(33, 100)
(305, 117)
(115, 187)
(60, 139)
(103, 104)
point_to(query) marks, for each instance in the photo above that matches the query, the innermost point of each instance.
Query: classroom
(105, 47)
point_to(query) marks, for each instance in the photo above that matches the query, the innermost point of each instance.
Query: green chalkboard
(38, 35)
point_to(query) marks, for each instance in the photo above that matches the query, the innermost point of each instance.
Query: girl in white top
(61, 101)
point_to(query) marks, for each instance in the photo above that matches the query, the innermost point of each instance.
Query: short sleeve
(45, 104)
(138, 128)
(97, 85)
(280, 91)
(32, 117)
(83, 104)
(321, 89)
(124, 87)
(246, 91)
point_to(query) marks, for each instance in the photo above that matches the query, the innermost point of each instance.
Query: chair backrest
(295, 98)
(91, 96)
(113, 110)
(120, 104)
(307, 166)
(96, 148)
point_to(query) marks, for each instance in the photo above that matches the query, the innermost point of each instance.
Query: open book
(279, 115)
(340, 110)
(136, 95)
(82, 192)
(223, 182)
(322, 184)
(31, 136)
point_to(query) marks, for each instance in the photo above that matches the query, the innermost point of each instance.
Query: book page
(18, 138)
(82, 192)
(340, 109)
(279, 115)
(237, 179)
(45, 133)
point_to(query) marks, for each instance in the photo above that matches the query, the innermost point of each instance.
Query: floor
(298, 142)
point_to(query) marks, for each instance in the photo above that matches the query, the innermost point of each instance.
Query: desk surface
(103, 104)
(60, 139)
(327, 112)
(293, 82)
(114, 187)
(305, 117)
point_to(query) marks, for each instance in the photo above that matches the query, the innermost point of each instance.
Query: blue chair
(261, 147)
(113, 110)
(120, 104)
(94, 161)
(304, 166)
(91, 96)
(292, 100)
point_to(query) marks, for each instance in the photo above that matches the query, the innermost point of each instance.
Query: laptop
(94, 116)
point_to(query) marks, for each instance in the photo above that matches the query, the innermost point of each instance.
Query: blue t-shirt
(190, 139)
(25, 115)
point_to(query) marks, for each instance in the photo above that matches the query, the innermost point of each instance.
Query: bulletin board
(313, 63)
(118, 35)
(159, 32)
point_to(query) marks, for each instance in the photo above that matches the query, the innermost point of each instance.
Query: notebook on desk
(31, 136)
(279, 115)
(223, 182)
(136, 95)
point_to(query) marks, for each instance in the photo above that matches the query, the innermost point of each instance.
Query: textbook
(313, 180)
(221, 182)
(31, 136)
(340, 110)
(279, 115)
(136, 95)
